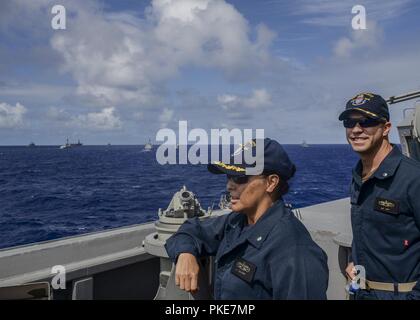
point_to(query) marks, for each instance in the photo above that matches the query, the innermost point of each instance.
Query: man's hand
(351, 271)
(186, 273)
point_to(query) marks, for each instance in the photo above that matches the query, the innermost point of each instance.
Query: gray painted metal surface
(93, 255)
(330, 227)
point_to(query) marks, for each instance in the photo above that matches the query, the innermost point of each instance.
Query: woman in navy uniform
(262, 251)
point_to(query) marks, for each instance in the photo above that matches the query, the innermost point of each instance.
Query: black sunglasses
(238, 179)
(242, 179)
(364, 122)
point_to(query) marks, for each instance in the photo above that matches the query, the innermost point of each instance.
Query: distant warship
(71, 145)
(148, 146)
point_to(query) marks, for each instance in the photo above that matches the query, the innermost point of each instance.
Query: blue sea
(47, 193)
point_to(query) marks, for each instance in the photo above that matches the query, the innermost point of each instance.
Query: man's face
(246, 196)
(365, 140)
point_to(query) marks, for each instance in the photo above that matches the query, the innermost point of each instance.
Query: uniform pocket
(386, 210)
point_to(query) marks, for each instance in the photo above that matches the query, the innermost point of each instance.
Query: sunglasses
(242, 179)
(364, 122)
(238, 179)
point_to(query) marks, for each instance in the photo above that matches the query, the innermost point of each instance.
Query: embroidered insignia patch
(229, 167)
(387, 206)
(361, 99)
(244, 270)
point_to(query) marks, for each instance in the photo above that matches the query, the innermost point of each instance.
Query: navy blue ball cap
(276, 161)
(369, 104)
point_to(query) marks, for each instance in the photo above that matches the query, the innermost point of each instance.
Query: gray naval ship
(131, 262)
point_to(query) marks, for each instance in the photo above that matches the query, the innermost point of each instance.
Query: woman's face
(247, 196)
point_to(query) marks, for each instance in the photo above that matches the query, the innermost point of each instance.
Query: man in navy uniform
(385, 204)
(262, 251)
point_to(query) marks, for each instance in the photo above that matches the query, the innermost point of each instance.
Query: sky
(122, 70)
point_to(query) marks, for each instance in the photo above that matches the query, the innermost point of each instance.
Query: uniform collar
(385, 170)
(260, 230)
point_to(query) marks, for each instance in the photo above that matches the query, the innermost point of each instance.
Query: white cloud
(227, 100)
(185, 10)
(28, 90)
(359, 41)
(258, 99)
(165, 117)
(132, 59)
(58, 114)
(11, 116)
(104, 120)
(208, 33)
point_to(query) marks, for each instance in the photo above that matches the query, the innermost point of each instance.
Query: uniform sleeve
(300, 273)
(198, 237)
(414, 200)
(352, 244)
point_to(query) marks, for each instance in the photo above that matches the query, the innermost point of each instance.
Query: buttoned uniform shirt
(385, 216)
(275, 258)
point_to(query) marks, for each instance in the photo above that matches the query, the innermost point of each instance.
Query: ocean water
(47, 193)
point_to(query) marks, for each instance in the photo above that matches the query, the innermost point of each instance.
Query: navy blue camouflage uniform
(273, 259)
(385, 215)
